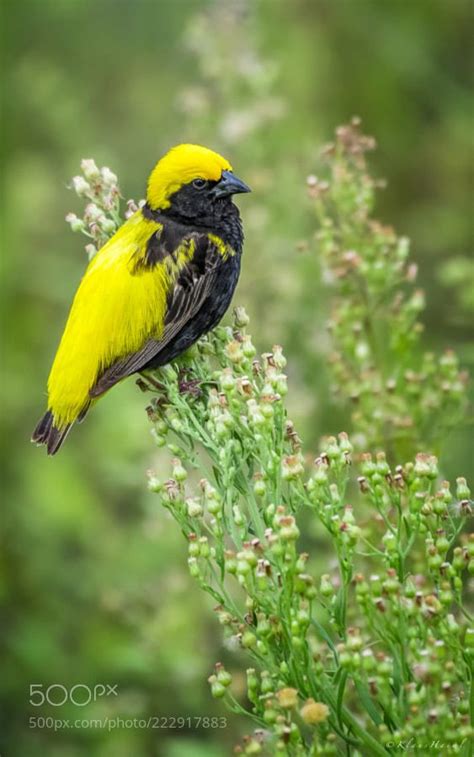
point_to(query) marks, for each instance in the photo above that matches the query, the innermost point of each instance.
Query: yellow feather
(116, 309)
(179, 166)
(223, 248)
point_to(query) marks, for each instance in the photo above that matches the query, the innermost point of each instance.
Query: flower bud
(252, 680)
(89, 169)
(193, 546)
(287, 528)
(292, 467)
(410, 588)
(247, 347)
(193, 508)
(344, 443)
(193, 567)
(204, 548)
(81, 187)
(223, 675)
(132, 208)
(281, 385)
(266, 409)
(154, 483)
(227, 380)
(76, 224)
(390, 542)
(218, 690)
(267, 686)
(270, 714)
(259, 487)
(278, 358)
(368, 661)
(91, 251)
(367, 466)
(462, 489)
(446, 595)
(325, 587)
(320, 476)
(253, 746)
(108, 177)
(107, 225)
(234, 351)
(249, 640)
(176, 425)
(354, 640)
(313, 712)
(241, 319)
(442, 543)
(287, 698)
(179, 473)
(426, 466)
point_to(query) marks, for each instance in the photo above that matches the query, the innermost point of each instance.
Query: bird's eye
(199, 183)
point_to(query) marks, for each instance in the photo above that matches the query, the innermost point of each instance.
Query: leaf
(324, 635)
(217, 474)
(367, 702)
(340, 695)
(340, 607)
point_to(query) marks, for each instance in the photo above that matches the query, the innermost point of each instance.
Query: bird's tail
(47, 433)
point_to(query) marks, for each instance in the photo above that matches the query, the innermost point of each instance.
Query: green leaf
(324, 635)
(340, 607)
(367, 702)
(340, 695)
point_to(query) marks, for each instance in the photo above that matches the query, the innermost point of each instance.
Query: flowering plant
(372, 653)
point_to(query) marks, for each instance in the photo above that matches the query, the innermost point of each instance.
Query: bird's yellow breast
(117, 307)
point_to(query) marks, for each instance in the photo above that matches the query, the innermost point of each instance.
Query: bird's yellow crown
(179, 166)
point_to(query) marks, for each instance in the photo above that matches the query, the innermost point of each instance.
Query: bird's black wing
(193, 286)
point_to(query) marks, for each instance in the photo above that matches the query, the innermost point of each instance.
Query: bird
(163, 280)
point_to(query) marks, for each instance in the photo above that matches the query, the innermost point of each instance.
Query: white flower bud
(247, 347)
(91, 250)
(107, 225)
(194, 508)
(281, 386)
(81, 186)
(76, 224)
(278, 357)
(93, 213)
(154, 484)
(227, 380)
(241, 318)
(234, 352)
(179, 473)
(108, 201)
(108, 177)
(89, 169)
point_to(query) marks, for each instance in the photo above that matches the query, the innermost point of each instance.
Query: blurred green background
(94, 585)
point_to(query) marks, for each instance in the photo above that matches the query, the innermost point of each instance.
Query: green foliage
(404, 399)
(374, 654)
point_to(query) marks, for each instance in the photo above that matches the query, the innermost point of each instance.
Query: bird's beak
(229, 185)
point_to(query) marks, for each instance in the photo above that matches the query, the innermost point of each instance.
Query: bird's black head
(202, 201)
(193, 185)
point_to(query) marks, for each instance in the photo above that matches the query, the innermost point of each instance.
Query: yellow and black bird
(164, 279)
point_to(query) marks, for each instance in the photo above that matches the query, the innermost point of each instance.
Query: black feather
(47, 433)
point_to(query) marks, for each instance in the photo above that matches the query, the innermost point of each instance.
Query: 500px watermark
(112, 723)
(80, 694)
